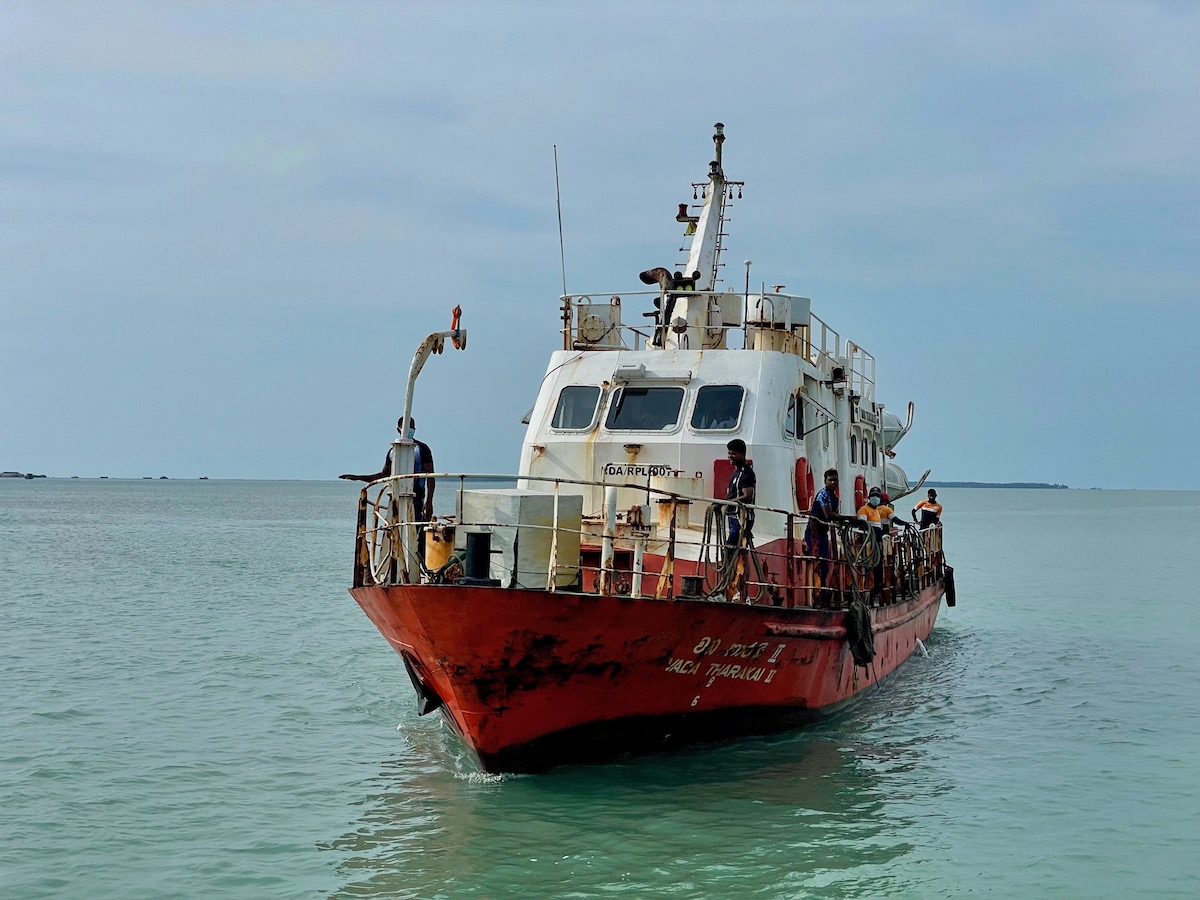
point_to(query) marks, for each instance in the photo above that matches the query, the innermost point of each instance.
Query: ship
(613, 596)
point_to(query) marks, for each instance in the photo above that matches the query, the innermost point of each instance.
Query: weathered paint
(515, 668)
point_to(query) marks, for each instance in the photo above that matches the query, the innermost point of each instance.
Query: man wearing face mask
(423, 462)
(875, 514)
(870, 513)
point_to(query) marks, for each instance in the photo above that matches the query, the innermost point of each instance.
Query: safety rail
(622, 553)
(862, 371)
(826, 342)
(592, 321)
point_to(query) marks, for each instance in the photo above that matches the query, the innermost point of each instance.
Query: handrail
(819, 343)
(857, 563)
(588, 482)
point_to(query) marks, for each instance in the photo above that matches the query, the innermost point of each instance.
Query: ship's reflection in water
(830, 809)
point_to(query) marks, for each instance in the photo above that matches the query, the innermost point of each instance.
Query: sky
(225, 227)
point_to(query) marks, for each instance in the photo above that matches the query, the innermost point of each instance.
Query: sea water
(191, 705)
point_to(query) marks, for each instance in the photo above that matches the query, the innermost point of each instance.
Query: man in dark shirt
(824, 510)
(929, 510)
(742, 484)
(423, 462)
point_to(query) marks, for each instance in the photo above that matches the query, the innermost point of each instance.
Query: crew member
(422, 462)
(877, 515)
(891, 534)
(871, 512)
(742, 484)
(886, 512)
(816, 535)
(930, 511)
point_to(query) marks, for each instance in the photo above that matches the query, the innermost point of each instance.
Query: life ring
(457, 339)
(804, 484)
(860, 492)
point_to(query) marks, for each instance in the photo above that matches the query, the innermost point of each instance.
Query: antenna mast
(562, 255)
(704, 257)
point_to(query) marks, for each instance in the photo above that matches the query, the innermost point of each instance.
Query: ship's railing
(862, 371)
(826, 344)
(623, 552)
(593, 321)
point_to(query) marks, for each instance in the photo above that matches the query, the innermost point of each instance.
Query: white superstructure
(654, 405)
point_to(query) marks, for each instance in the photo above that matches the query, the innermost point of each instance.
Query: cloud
(279, 200)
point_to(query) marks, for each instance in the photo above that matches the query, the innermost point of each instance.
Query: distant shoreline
(1034, 485)
(996, 484)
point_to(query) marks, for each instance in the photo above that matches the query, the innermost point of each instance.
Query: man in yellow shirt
(871, 511)
(886, 512)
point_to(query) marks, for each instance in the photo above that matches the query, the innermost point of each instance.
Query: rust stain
(534, 662)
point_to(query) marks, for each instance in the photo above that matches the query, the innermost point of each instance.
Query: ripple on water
(194, 706)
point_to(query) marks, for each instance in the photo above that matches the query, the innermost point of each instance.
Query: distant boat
(103, 476)
(162, 477)
(12, 474)
(74, 476)
(147, 478)
(204, 478)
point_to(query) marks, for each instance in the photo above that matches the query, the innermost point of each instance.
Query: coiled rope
(714, 537)
(726, 557)
(863, 552)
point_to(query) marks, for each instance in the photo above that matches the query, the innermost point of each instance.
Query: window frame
(694, 405)
(614, 398)
(595, 410)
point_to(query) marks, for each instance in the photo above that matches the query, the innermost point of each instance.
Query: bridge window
(644, 408)
(576, 410)
(717, 407)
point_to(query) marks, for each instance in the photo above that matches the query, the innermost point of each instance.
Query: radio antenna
(562, 255)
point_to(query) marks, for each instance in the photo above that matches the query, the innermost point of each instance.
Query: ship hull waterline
(533, 679)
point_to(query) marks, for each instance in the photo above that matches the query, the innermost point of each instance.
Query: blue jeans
(734, 529)
(819, 547)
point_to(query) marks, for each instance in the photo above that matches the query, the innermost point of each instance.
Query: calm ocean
(193, 706)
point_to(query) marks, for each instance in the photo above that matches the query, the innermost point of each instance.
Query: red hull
(531, 679)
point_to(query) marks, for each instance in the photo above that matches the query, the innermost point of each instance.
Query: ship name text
(711, 671)
(632, 469)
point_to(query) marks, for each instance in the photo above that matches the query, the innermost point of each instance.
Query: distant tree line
(996, 484)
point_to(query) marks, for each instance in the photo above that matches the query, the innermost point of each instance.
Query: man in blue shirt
(824, 510)
(423, 462)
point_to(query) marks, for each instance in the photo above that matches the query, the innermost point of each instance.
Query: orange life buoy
(860, 492)
(804, 484)
(458, 341)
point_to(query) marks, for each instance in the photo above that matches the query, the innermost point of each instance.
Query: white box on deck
(781, 310)
(522, 527)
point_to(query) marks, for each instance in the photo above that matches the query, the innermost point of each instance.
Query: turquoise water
(193, 706)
